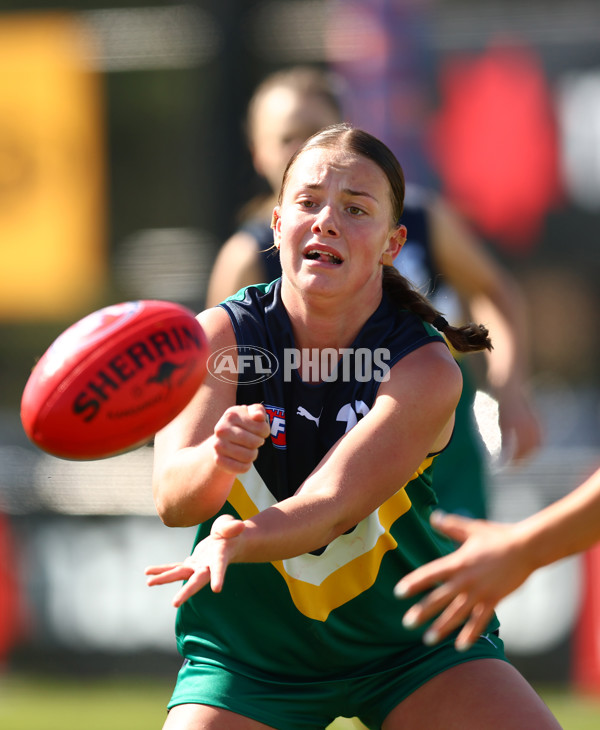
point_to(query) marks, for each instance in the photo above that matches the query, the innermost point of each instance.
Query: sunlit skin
(337, 221)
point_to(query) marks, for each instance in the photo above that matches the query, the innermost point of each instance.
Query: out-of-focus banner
(52, 196)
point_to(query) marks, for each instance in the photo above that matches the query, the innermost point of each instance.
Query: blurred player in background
(441, 257)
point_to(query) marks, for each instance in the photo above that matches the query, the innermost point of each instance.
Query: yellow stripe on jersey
(348, 566)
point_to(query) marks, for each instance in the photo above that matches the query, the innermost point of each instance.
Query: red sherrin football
(113, 379)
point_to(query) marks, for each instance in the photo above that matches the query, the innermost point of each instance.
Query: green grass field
(45, 703)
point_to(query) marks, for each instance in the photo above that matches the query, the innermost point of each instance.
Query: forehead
(284, 111)
(318, 166)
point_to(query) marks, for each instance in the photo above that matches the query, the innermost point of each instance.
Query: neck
(320, 322)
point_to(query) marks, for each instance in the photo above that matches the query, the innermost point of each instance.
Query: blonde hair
(307, 81)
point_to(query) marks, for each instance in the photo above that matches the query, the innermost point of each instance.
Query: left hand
(207, 563)
(468, 583)
(519, 426)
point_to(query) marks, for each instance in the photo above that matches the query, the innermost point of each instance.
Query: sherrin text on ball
(113, 379)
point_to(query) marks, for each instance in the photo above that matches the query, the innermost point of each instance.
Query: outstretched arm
(495, 559)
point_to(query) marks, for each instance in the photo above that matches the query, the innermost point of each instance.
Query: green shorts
(302, 705)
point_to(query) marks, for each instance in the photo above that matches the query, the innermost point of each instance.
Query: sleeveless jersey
(331, 613)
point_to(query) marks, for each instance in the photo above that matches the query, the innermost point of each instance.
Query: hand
(470, 581)
(208, 562)
(238, 435)
(519, 426)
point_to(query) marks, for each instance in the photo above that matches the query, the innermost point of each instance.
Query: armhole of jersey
(435, 336)
(441, 451)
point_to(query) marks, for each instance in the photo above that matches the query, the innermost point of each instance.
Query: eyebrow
(347, 191)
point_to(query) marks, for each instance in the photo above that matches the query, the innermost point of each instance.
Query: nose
(325, 222)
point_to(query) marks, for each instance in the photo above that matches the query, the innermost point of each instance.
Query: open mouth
(323, 256)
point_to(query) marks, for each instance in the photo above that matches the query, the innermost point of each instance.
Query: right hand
(207, 564)
(238, 435)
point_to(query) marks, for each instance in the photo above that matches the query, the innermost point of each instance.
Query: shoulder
(217, 327)
(238, 264)
(428, 372)
(418, 401)
(252, 312)
(240, 248)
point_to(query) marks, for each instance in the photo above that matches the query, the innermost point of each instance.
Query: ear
(396, 241)
(276, 226)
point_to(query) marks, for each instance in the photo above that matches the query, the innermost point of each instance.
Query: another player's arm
(476, 276)
(494, 560)
(197, 456)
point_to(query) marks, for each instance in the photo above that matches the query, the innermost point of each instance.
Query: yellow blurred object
(52, 198)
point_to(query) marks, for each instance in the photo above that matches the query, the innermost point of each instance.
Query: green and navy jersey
(333, 611)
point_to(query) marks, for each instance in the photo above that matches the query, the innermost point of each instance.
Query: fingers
(454, 526)
(454, 616)
(481, 615)
(455, 610)
(425, 577)
(465, 585)
(156, 569)
(198, 579)
(433, 604)
(257, 413)
(208, 562)
(226, 527)
(239, 434)
(167, 573)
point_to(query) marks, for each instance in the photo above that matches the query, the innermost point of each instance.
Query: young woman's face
(335, 222)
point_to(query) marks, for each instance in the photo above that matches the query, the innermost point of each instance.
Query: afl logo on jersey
(277, 422)
(244, 365)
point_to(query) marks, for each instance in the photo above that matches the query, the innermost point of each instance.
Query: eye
(355, 210)
(307, 203)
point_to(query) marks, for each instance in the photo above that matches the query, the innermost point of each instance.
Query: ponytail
(468, 338)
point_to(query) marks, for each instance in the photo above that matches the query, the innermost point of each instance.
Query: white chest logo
(309, 416)
(350, 413)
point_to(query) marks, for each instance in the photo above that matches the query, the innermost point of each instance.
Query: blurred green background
(138, 704)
